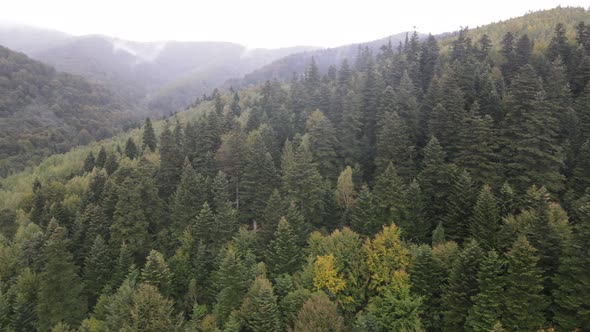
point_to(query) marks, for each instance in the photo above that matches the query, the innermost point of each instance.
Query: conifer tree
(485, 222)
(122, 266)
(274, 210)
(150, 311)
(232, 281)
(395, 309)
(170, 163)
(487, 304)
(24, 317)
(259, 309)
(98, 269)
(157, 273)
(350, 130)
(572, 297)
(284, 255)
(366, 216)
(460, 208)
(149, 136)
(530, 152)
(524, 301)
(390, 193)
(462, 286)
(323, 144)
(89, 162)
(189, 197)
(131, 149)
(394, 145)
(416, 226)
(425, 280)
(60, 288)
(101, 158)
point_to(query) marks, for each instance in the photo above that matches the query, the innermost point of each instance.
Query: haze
(263, 23)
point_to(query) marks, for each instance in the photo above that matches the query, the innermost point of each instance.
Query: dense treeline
(44, 112)
(410, 190)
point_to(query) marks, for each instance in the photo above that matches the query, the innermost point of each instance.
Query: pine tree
(259, 179)
(189, 197)
(529, 134)
(89, 162)
(394, 145)
(524, 302)
(366, 216)
(435, 180)
(301, 178)
(390, 193)
(487, 304)
(459, 208)
(101, 158)
(572, 297)
(323, 144)
(149, 137)
(425, 279)
(284, 255)
(131, 149)
(156, 272)
(171, 160)
(98, 269)
(462, 286)
(60, 288)
(485, 222)
(259, 309)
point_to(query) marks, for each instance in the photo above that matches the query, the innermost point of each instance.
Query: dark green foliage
(89, 162)
(149, 136)
(284, 254)
(98, 268)
(487, 304)
(572, 296)
(462, 286)
(60, 288)
(131, 149)
(425, 278)
(530, 152)
(170, 163)
(259, 309)
(485, 222)
(524, 301)
(394, 145)
(191, 194)
(459, 207)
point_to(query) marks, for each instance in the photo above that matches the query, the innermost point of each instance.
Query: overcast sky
(264, 23)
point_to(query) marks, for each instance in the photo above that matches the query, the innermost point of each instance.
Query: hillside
(439, 188)
(284, 68)
(43, 111)
(160, 76)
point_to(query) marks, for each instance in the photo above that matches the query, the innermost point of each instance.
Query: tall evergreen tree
(394, 145)
(487, 304)
(462, 286)
(284, 255)
(131, 149)
(459, 207)
(156, 272)
(259, 309)
(149, 136)
(189, 197)
(60, 288)
(98, 269)
(530, 151)
(485, 222)
(524, 302)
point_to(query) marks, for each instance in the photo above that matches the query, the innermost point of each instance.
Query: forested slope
(43, 112)
(437, 189)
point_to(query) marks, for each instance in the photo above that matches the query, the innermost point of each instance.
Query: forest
(430, 185)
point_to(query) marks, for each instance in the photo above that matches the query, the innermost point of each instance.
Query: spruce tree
(60, 288)
(89, 162)
(394, 145)
(156, 272)
(149, 137)
(416, 226)
(572, 297)
(462, 286)
(284, 254)
(425, 279)
(350, 130)
(323, 144)
(232, 281)
(366, 215)
(459, 208)
(524, 302)
(101, 158)
(487, 304)
(131, 149)
(390, 193)
(485, 222)
(529, 136)
(149, 311)
(98, 269)
(259, 309)
(189, 197)
(170, 163)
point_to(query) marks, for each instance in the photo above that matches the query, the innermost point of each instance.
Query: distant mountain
(162, 76)
(29, 39)
(284, 68)
(43, 111)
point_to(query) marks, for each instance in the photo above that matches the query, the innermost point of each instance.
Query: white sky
(264, 23)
